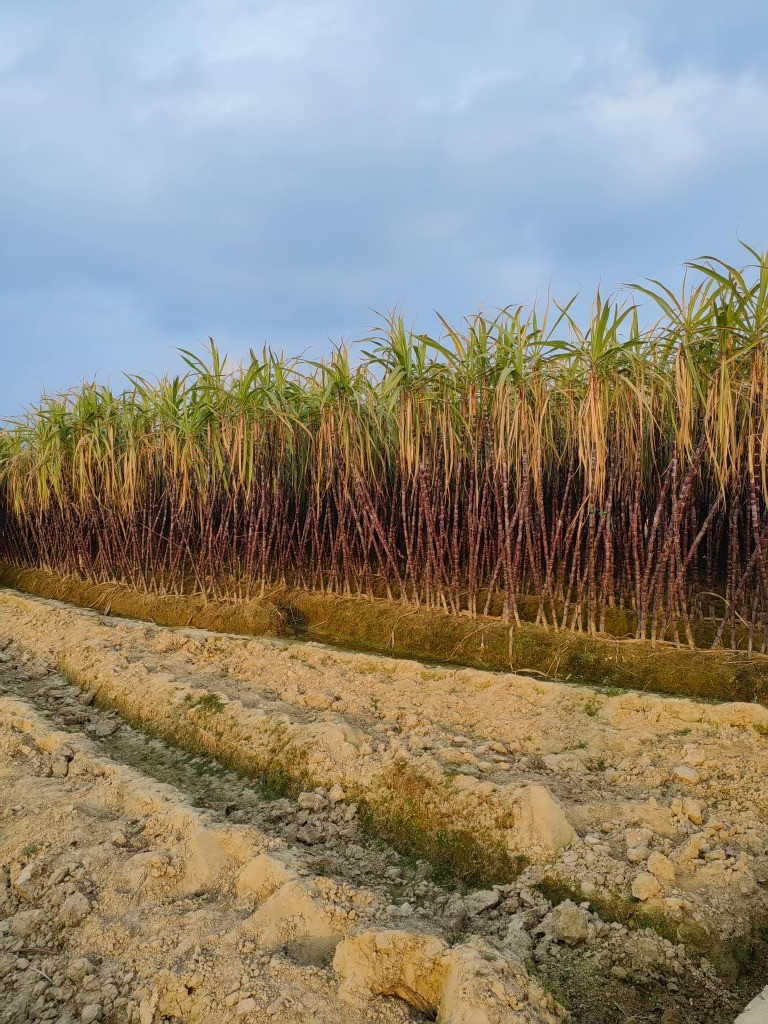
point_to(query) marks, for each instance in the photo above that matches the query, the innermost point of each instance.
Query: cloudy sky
(273, 171)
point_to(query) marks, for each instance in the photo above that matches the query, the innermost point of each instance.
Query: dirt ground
(144, 880)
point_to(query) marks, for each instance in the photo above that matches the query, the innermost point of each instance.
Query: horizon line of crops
(522, 457)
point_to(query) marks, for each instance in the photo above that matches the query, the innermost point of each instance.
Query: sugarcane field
(383, 512)
(397, 689)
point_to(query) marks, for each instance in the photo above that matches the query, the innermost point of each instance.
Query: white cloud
(661, 129)
(287, 30)
(259, 169)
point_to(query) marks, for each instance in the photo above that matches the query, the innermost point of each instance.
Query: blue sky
(273, 171)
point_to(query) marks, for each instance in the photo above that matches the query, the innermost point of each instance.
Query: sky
(273, 172)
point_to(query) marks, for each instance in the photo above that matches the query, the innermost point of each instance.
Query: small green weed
(410, 816)
(209, 702)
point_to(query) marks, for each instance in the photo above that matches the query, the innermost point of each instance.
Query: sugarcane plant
(609, 476)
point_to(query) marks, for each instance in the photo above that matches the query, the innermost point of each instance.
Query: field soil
(389, 627)
(205, 827)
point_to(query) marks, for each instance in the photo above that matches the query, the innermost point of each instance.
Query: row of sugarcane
(523, 466)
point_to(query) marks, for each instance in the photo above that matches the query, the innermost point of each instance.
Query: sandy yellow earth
(640, 824)
(121, 902)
